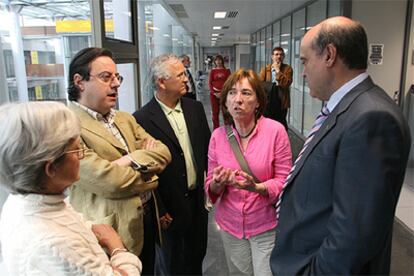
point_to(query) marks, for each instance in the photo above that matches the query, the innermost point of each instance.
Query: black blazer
(172, 187)
(338, 208)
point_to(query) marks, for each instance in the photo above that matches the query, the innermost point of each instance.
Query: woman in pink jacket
(245, 212)
(218, 77)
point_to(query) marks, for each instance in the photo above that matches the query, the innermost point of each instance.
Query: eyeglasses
(79, 152)
(182, 76)
(108, 78)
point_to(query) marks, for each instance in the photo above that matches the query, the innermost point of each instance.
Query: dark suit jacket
(172, 181)
(338, 209)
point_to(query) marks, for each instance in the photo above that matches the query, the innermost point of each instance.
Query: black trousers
(274, 109)
(147, 255)
(183, 251)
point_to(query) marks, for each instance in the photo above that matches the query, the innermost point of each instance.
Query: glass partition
(315, 13)
(268, 45)
(159, 33)
(37, 43)
(118, 21)
(257, 52)
(296, 109)
(285, 37)
(276, 34)
(262, 47)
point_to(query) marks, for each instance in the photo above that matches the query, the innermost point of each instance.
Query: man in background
(181, 124)
(278, 78)
(338, 203)
(191, 87)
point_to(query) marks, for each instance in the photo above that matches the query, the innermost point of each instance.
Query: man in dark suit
(191, 87)
(338, 204)
(182, 125)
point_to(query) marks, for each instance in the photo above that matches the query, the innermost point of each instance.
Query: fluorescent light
(217, 27)
(214, 38)
(220, 14)
(214, 34)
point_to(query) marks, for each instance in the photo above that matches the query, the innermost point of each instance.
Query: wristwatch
(137, 166)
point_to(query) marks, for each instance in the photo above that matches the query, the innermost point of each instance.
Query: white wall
(241, 49)
(384, 22)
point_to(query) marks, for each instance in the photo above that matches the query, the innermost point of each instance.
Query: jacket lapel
(91, 125)
(189, 120)
(330, 122)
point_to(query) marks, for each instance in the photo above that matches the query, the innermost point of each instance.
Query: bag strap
(237, 152)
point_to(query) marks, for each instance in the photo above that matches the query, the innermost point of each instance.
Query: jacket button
(186, 194)
(182, 153)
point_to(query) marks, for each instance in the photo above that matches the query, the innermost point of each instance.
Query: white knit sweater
(43, 235)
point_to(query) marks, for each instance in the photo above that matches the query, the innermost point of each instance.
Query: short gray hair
(183, 57)
(31, 134)
(158, 69)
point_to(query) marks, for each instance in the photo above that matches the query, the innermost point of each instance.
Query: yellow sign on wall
(35, 57)
(38, 93)
(80, 26)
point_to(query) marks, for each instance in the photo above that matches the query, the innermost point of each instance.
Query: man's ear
(161, 83)
(330, 55)
(78, 81)
(50, 169)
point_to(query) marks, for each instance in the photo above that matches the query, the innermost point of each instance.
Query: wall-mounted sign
(376, 52)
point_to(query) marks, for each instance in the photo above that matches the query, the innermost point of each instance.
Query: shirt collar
(108, 118)
(167, 110)
(343, 90)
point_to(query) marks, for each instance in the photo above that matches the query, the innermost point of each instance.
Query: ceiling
(251, 16)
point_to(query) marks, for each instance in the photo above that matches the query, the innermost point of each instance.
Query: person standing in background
(279, 76)
(337, 207)
(181, 124)
(191, 87)
(218, 77)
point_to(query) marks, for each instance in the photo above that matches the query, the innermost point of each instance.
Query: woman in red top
(218, 77)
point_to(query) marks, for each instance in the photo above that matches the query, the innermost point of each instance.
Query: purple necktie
(318, 123)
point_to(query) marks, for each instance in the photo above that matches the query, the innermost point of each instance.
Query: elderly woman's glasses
(108, 78)
(79, 152)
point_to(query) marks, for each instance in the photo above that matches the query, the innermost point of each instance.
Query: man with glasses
(117, 176)
(191, 87)
(181, 124)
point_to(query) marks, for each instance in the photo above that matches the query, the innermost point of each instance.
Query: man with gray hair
(181, 124)
(191, 87)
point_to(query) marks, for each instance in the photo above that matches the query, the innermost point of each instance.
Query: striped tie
(318, 123)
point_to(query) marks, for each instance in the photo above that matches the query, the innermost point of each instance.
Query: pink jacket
(240, 212)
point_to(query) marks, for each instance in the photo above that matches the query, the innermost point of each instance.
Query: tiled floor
(405, 206)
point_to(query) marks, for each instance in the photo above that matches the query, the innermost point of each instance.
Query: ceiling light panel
(220, 14)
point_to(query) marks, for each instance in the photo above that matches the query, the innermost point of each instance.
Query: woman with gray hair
(40, 233)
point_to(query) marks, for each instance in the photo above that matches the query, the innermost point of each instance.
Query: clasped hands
(235, 178)
(148, 144)
(277, 65)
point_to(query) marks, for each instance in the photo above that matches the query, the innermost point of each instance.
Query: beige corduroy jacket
(109, 193)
